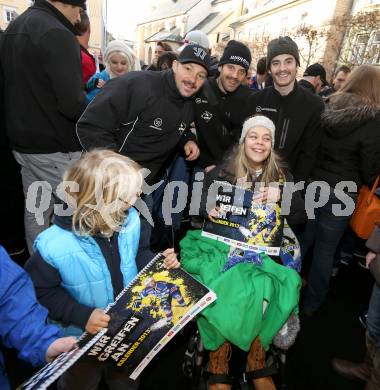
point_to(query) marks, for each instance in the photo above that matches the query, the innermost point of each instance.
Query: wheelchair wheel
(192, 365)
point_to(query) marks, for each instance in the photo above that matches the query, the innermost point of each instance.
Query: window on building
(359, 49)
(374, 48)
(10, 14)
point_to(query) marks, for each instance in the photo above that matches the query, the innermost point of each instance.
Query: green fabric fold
(237, 314)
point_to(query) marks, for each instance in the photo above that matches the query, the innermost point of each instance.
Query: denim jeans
(373, 319)
(325, 232)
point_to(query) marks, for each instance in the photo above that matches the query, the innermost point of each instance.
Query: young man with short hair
(314, 78)
(340, 77)
(295, 112)
(219, 107)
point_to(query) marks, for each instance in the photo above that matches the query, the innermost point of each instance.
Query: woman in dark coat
(349, 156)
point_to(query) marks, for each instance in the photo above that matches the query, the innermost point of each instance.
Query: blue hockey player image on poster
(243, 223)
(145, 316)
(161, 294)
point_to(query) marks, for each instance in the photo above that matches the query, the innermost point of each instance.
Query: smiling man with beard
(295, 111)
(219, 107)
(146, 115)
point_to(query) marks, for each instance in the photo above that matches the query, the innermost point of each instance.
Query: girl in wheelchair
(257, 294)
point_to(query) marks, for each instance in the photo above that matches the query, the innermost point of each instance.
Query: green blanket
(237, 314)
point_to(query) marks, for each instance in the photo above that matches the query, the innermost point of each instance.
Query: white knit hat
(255, 121)
(120, 46)
(195, 37)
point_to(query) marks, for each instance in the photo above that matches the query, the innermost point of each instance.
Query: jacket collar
(65, 223)
(306, 84)
(47, 7)
(289, 95)
(86, 51)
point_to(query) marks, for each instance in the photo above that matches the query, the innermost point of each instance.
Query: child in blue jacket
(81, 263)
(119, 60)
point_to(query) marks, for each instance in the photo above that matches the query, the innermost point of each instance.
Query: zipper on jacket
(284, 133)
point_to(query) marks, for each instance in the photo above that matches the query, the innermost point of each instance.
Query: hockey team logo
(206, 116)
(182, 127)
(240, 60)
(260, 109)
(157, 123)
(200, 101)
(200, 53)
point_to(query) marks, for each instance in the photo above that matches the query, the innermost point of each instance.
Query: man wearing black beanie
(218, 109)
(43, 98)
(295, 111)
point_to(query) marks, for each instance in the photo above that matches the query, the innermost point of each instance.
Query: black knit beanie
(282, 45)
(236, 53)
(77, 3)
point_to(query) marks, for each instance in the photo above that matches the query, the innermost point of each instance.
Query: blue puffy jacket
(83, 270)
(22, 318)
(91, 86)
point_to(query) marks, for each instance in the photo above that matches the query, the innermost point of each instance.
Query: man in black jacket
(43, 98)
(295, 111)
(314, 78)
(146, 115)
(219, 107)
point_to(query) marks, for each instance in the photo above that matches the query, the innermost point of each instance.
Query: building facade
(311, 23)
(171, 20)
(10, 9)
(362, 38)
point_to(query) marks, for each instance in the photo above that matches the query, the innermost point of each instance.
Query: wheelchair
(196, 358)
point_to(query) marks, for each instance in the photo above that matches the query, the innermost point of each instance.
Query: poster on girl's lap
(239, 221)
(145, 316)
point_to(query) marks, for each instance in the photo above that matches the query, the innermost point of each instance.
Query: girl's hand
(369, 258)
(268, 195)
(101, 83)
(171, 260)
(216, 212)
(97, 321)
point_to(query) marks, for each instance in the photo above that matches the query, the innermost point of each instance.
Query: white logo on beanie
(235, 59)
(200, 53)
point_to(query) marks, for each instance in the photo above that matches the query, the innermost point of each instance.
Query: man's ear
(220, 68)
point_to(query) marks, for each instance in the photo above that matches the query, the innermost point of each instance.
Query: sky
(123, 16)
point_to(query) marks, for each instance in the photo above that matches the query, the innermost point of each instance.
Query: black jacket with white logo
(43, 85)
(297, 120)
(219, 117)
(141, 115)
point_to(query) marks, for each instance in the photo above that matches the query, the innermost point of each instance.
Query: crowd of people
(93, 152)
